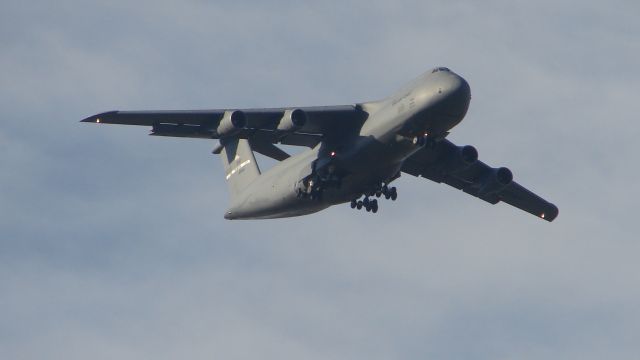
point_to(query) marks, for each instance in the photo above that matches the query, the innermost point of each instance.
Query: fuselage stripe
(237, 168)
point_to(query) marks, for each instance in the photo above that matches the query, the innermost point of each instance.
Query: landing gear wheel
(359, 205)
(378, 193)
(354, 204)
(394, 194)
(374, 206)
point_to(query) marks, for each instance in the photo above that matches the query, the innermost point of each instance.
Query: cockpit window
(438, 69)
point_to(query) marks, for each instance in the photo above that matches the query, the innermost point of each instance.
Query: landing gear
(371, 205)
(312, 187)
(309, 188)
(420, 141)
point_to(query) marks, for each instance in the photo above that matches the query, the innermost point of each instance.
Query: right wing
(260, 125)
(459, 168)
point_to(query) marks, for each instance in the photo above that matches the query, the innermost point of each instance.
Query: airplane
(354, 151)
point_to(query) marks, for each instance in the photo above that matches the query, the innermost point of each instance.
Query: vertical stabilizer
(240, 165)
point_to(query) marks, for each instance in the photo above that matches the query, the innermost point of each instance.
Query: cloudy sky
(113, 244)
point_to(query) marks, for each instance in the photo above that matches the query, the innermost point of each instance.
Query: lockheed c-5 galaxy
(355, 151)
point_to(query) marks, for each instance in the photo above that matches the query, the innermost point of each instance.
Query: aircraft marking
(237, 168)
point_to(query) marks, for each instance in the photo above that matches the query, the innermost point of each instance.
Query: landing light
(333, 153)
(542, 215)
(98, 121)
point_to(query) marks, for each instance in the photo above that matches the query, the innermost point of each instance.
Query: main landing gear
(313, 186)
(371, 205)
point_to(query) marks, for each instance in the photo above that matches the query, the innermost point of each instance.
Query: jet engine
(494, 181)
(460, 159)
(292, 120)
(232, 122)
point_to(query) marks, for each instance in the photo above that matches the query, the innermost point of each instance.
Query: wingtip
(98, 118)
(551, 213)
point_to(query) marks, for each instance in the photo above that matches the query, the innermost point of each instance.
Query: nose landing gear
(429, 140)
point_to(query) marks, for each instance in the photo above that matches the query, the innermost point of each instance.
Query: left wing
(309, 126)
(458, 166)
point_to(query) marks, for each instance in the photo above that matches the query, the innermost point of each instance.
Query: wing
(304, 126)
(458, 166)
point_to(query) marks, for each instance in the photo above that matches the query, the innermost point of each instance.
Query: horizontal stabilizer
(269, 150)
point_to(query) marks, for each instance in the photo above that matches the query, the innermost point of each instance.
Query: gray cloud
(112, 243)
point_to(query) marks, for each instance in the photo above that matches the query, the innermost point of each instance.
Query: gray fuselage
(430, 105)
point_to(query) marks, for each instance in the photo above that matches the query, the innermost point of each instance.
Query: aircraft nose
(454, 93)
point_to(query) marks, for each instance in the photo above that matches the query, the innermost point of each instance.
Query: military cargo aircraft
(354, 151)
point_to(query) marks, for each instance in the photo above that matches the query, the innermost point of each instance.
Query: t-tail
(240, 166)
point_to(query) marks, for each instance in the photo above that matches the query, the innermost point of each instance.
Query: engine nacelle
(495, 180)
(292, 120)
(232, 122)
(461, 159)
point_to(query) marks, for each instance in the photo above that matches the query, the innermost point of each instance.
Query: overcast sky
(113, 243)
